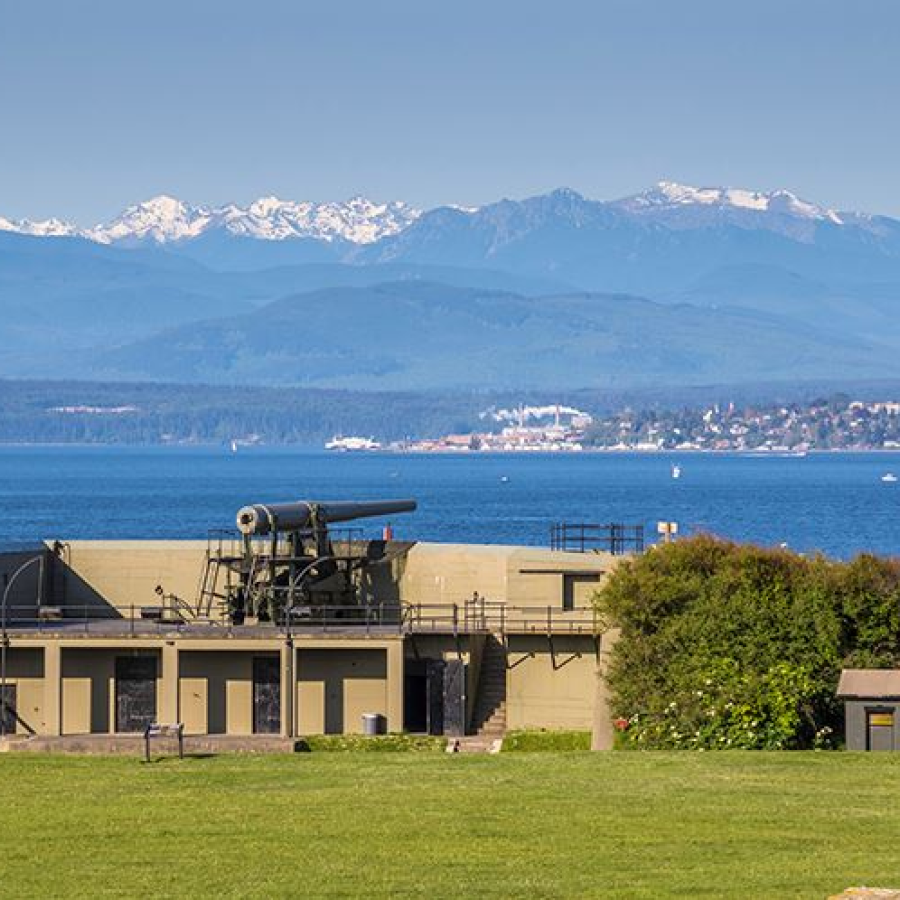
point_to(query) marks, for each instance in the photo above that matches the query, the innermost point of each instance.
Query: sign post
(668, 530)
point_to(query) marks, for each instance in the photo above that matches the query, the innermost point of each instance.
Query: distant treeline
(142, 413)
(82, 412)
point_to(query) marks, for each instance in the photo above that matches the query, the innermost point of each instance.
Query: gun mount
(287, 561)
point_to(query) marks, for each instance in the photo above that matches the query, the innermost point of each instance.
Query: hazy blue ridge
(553, 291)
(417, 335)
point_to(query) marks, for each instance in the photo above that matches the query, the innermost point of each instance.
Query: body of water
(836, 502)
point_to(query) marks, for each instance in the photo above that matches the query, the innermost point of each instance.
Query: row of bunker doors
(136, 684)
(434, 696)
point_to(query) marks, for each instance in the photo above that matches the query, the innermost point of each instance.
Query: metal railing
(476, 616)
(593, 538)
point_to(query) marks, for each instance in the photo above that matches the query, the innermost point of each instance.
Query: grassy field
(437, 825)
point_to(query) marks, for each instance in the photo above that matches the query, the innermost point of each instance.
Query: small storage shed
(872, 708)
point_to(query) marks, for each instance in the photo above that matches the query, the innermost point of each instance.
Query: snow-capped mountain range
(687, 285)
(361, 221)
(164, 219)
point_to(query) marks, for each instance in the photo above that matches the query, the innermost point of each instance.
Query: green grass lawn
(435, 825)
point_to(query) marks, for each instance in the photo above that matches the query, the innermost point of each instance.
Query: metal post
(4, 637)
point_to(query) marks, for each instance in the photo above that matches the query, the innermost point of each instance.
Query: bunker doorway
(8, 715)
(266, 695)
(423, 696)
(135, 693)
(434, 697)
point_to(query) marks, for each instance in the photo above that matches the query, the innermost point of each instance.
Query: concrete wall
(551, 686)
(216, 691)
(88, 692)
(124, 574)
(537, 578)
(445, 574)
(25, 588)
(335, 682)
(335, 688)
(25, 670)
(548, 686)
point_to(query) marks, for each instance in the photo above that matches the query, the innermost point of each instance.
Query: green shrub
(358, 743)
(546, 741)
(728, 645)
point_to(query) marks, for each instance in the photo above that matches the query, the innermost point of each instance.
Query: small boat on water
(676, 471)
(889, 477)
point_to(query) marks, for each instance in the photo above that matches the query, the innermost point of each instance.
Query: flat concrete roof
(869, 683)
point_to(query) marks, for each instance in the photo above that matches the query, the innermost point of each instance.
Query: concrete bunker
(297, 628)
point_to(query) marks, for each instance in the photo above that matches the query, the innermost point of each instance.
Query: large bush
(728, 645)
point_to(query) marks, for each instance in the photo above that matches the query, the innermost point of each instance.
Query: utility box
(871, 709)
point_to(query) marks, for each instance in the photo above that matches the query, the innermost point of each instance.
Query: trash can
(373, 723)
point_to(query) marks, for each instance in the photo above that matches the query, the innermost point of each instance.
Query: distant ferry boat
(350, 444)
(890, 476)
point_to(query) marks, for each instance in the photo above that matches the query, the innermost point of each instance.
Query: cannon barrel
(299, 514)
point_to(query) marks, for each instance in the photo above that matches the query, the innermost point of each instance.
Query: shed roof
(869, 683)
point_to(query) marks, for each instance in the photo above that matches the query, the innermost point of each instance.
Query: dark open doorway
(135, 692)
(424, 696)
(8, 709)
(415, 697)
(266, 695)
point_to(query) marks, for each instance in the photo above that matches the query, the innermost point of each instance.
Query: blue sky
(104, 103)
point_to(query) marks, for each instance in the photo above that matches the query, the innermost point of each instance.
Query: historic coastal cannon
(262, 518)
(290, 562)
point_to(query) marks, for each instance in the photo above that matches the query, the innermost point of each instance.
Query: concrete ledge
(133, 745)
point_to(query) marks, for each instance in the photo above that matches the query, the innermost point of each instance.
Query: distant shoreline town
(827, 425)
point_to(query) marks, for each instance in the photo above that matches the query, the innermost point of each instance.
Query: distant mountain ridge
(393, 335)
(677, 284)
(165, 219)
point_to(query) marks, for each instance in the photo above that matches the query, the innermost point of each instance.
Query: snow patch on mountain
(46, 228)
(160, 219)
(671, 195)
(358, 220)
(164, 219)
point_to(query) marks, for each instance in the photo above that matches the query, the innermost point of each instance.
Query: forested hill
(88, 412)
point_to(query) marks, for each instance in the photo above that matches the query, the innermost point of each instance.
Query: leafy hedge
(386, 743)
(546, 741)
(728, 645)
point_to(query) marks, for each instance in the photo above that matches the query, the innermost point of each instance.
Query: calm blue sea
(836, 503)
